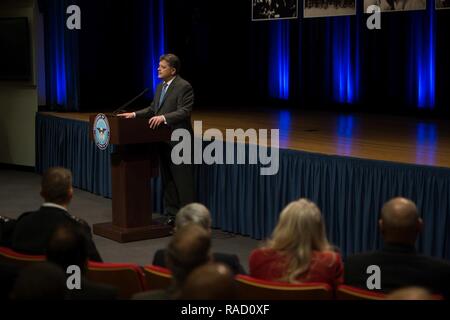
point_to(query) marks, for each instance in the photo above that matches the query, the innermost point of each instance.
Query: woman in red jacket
(298, 250)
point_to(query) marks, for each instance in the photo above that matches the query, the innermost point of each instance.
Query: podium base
(110, 231)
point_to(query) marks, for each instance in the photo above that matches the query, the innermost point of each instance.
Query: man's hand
(155, 122)
(127, 115)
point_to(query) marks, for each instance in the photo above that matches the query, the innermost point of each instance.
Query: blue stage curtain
(349, 191)
(422, 58)
(155, 46)
(279, 59)
(65, 143)
(61, 56)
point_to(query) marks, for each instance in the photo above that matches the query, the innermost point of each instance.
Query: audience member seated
(40, 281)
(68, 247)
(410, 293)
(199, 214)
(8, 276)
(6, 229)
(32, 230)
(398, 260)
(212, 281)
(188, 249)
(298, 251)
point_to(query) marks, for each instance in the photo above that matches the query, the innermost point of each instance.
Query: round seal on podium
(101, 131)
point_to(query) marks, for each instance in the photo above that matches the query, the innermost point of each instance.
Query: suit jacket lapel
(156, 97)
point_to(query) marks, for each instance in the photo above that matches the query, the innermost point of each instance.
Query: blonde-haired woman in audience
(298, 250)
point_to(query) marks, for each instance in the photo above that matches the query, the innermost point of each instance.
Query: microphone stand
(122, 108)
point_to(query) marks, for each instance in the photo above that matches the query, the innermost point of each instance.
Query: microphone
(122, 108)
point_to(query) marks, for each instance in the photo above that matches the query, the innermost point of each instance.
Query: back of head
(300, 227)
(400, 222)
(193, 213)
(40, 281)
(56, 185)
(410, 293)
(299, 232)
(188, 249)
(211, 281)
(68, 246)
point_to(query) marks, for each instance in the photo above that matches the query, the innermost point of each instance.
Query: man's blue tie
(163, 93)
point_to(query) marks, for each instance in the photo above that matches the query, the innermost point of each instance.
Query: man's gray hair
(193, 213)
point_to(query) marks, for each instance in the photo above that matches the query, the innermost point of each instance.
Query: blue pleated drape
(65, 143)
(349, 191)
(61, 56)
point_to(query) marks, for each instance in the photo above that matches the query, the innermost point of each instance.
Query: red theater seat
(10, 256)
(157, 278)
(345, 292)
(126, 277)
(255, 289)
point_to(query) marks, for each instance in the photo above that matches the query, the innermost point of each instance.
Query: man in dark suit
(68, 247)
(198, 214)
(400, 265)
(32, 230)
(172, 106)
(8, 275)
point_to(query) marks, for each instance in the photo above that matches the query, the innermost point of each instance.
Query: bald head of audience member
(400, 222)
(188, 249)
(212, 281)
(56, 186)
(410, 293)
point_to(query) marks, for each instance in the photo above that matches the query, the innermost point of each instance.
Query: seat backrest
(126, 277)
(345, 292)
(250, 288)
(21, 260)
(157, 278)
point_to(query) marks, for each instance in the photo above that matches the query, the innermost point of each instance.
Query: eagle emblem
(101, 131)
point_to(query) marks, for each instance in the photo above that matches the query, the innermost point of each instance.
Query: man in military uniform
(31, 231)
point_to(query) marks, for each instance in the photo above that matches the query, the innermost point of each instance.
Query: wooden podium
(133, 163)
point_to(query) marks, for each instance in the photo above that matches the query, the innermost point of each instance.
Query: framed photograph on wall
(274, 9)
(328, 8)
(442, 4)
(397, 5)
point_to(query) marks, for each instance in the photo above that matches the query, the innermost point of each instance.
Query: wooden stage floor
(379, 137)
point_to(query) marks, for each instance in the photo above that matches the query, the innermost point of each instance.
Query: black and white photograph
(397, 5)
(274, 9)
(442, 4)
(329, 8)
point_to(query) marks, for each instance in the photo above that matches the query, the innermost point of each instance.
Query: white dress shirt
(53, 205)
